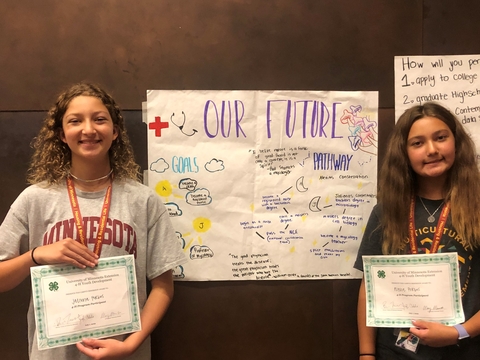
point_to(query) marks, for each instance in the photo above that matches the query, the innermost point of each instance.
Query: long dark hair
(397, 181)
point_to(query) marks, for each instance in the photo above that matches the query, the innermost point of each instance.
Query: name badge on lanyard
(405, 339)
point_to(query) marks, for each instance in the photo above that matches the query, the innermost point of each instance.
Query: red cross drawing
(158, 125)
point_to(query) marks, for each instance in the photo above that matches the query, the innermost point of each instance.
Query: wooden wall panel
(252, 320)
(16, 133)
(131, 46)
(451, 27)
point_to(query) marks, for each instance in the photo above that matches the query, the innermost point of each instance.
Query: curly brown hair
(397, 181)
(51, 160)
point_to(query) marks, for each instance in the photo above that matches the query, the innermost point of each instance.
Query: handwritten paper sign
(265, 184)
(453, 81)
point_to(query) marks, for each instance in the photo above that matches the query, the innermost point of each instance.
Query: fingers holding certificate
(71, 304)
(402, 288)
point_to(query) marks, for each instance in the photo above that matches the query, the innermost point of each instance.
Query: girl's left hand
(434, 334)
(104, 349)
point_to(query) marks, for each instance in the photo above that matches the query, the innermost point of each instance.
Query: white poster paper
(264, 185)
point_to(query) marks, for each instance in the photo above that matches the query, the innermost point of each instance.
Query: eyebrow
(80, 114)
(433, 134)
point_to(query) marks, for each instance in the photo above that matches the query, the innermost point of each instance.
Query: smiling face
(431, 148)
(88, 130)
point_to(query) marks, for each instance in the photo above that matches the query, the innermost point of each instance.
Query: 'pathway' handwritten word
(327, 161)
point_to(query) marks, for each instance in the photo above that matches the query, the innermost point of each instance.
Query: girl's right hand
(66, 251)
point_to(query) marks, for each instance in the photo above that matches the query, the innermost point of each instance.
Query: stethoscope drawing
(183, 124)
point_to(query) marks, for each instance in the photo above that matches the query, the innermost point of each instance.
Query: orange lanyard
(438, 231)
(72, 195)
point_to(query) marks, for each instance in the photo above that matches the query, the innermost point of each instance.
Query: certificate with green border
(402, 288)
(71, 303)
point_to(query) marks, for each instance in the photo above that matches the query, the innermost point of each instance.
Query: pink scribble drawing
(363, 132)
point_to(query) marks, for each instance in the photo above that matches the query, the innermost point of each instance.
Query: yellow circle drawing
(163, 188)
(202, 224)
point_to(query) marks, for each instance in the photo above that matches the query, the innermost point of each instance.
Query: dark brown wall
(132, 46)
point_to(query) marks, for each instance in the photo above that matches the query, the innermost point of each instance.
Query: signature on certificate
(434, 308)
(111, 315)
(400, 306)
(72, 320)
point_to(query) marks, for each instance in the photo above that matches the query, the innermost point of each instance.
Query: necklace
(90, 181)
(431, 218)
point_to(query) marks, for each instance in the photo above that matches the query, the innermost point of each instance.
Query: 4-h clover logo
(53, 286)
(381, 274)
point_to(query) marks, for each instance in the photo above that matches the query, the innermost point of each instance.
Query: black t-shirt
(469, 266)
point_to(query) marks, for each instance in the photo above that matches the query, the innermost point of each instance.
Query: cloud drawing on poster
(199, 197)
(214, 165)
(178, 272)
(199, 252)
(180, 239)
(188, 184)
(159, 166)
(173, 209)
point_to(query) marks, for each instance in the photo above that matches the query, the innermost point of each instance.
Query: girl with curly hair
(83, 160)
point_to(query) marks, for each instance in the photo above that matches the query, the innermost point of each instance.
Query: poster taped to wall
(264, 185)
